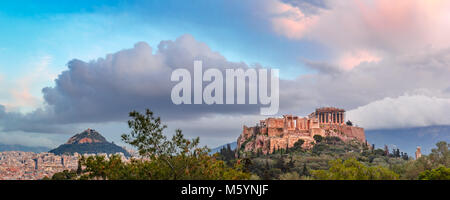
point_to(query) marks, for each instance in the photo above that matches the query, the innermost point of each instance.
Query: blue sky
(90, 29)
(330, 53)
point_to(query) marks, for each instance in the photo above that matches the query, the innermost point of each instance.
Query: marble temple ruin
(276, 133)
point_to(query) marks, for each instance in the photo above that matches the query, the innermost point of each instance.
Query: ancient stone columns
(330, 115)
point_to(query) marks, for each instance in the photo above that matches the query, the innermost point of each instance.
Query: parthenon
(329, 115)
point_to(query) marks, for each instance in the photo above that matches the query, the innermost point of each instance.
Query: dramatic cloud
(376, 28)
(107, 89)
(290, 21)
(382, 50)
(423, 74)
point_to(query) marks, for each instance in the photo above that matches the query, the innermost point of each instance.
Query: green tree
(290, 176)
(441, 173)
(439, 156)
(64, 175)
(279, 164)
(318, 138)
(267, 173)
(305, 171)
(349, 123)
(298, 144)
(79, 169)
(163, 158)
(291, 164)
(351, 169)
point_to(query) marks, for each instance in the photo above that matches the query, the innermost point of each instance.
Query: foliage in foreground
(351, 169)
(441, 173)
(439, 157)
(201, 167)
(161, 158)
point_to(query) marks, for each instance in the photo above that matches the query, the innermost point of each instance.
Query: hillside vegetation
(332, 159)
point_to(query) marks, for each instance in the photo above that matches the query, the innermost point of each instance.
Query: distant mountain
(407, 139)
(17, 147)
(233, 146)
(89, 141)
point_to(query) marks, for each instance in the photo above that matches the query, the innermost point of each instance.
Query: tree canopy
(161, 158)
(351, 169)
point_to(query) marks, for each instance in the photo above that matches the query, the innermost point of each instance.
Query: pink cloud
(290, 21)
(355, 29)
(403, 25)
(350, 60)
(20, 91)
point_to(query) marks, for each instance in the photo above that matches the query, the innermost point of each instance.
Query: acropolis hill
(281, 133)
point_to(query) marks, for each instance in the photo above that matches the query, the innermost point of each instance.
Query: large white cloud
(401, 112)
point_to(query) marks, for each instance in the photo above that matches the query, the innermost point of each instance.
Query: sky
(68, 66)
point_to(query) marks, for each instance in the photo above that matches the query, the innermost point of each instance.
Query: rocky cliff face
(87, 136)
(281, 133)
